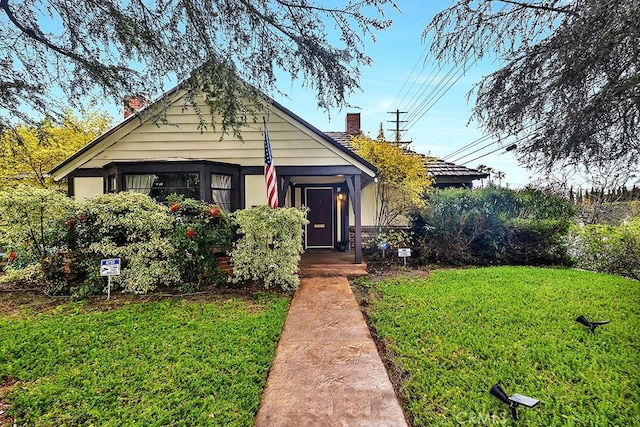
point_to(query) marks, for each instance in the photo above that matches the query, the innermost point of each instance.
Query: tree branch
(540, 7)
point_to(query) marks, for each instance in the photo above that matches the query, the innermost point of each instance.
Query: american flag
(270, 170)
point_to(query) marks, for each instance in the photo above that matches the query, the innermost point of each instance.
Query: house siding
(87, 187)
(292, 144)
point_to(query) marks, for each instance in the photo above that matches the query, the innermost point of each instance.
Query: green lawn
(174, 362)
(458, 332)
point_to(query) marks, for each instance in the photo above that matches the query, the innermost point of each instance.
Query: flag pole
(270, 177)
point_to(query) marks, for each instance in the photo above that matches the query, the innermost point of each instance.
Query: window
(111, 184)
(160, 185)
(221, 191)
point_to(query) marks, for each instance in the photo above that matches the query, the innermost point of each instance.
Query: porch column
(358, 219)
(282, 190)
(354, 184)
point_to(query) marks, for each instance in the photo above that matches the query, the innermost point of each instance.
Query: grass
(175, 362)
(458, 332)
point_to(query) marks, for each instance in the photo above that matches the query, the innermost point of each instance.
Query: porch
(330, 263)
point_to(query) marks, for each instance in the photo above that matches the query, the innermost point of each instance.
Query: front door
(320, 228)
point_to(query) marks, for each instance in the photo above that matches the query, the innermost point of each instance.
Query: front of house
(315, 170)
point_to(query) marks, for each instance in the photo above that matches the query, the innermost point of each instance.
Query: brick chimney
(353, 124)
(134, 103)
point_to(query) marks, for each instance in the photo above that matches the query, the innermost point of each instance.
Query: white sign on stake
(404, 253)
(109, 267)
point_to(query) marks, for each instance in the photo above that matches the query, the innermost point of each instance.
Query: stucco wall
(87, 187)
(368, 206)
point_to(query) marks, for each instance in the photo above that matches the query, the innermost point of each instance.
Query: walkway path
(327, 371)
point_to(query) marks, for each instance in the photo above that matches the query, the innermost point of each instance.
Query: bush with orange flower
(202, 232)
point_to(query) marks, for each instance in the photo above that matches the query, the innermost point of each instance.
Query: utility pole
(397, 129)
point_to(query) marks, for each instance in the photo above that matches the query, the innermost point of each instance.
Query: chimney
(134, 103)
(353, 124)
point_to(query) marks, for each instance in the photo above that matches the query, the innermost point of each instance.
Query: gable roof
(437, 167)
(115, 139)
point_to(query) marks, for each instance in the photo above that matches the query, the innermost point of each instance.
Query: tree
(403, 178)
(29, 152)
(570, 87)
(119, 48)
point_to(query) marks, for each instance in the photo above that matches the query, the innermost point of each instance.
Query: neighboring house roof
(440, 169)
(96, 147)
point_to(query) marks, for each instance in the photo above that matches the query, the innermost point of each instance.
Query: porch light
(340, 196)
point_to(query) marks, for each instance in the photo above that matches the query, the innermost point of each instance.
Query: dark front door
(320, 228)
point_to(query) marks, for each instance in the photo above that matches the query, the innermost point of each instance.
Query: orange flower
(12, 256)
(190, 233)
(213, 211)
(174, 207)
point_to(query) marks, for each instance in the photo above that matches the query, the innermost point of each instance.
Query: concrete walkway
(327, 371)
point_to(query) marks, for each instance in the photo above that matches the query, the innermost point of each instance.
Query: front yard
(187, 362)
(455, 334)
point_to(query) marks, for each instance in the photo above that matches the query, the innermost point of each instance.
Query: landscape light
(514, 401)
(591, 325)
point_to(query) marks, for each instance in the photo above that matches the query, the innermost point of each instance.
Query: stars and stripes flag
(269, 170)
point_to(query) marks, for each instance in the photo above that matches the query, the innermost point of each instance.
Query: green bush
(134, 228)
(608, 249)
(202, 232)
(493, 225)
(32, 227)
(269, 247)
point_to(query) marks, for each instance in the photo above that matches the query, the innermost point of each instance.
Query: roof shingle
(437, 167)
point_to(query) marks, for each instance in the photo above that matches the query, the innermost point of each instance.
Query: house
(445, 174)
(314, 170)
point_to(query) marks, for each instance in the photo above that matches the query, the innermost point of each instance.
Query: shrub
(269, 247)
(493, 225)
(201, 233)
(134, 228)
(32, 227)
(608, 249)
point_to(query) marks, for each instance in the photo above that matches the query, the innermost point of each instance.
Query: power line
(486, 154)
(475, 151)
(477, 141)
(469, 145)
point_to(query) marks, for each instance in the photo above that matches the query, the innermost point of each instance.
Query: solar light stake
(591, 325)
(513, 401)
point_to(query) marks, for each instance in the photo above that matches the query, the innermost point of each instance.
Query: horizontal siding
(291, 145)
(225, 157)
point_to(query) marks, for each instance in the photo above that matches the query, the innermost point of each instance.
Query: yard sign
(109, 267)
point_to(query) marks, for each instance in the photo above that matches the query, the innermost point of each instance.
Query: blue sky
(397, 50)
(444, 128)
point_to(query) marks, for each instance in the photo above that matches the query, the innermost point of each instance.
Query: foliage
(493, 225)
(201, 232)
(608, 249)
(269, 247)
(402, 178)
(569, 86)
(133, 227)
(178, 362)
(395, 237)
(53, 46)
(32, 224)
(27, 153)
(458, 332)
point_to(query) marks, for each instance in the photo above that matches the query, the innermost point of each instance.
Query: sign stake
(109, 267)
